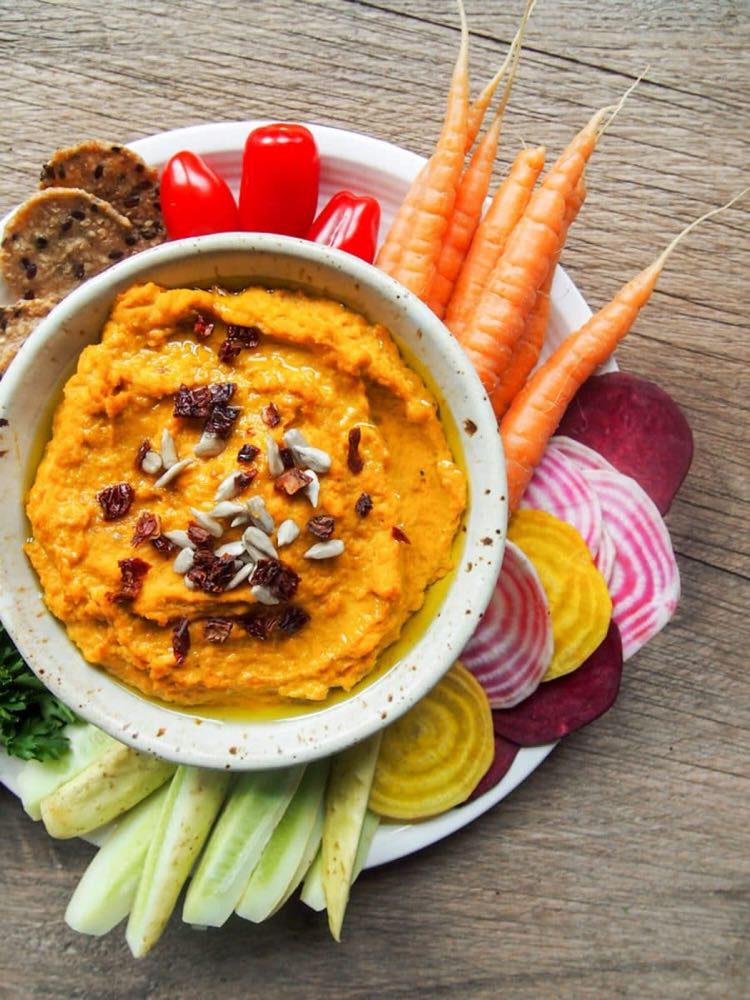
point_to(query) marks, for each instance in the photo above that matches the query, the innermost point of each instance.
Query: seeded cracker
(16, 323)
(114, 174)
(57, 239)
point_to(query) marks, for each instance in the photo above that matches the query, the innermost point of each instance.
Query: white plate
(366, 166)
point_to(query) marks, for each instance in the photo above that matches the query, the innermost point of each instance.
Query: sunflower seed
(273, 457)
(228, 488)
(287, 532)
(239, 520)
(173, 472)
(183, 561)
(207, 522)
(314, 459)
(210, 445)
(169, 454)
(240, 576)
(151, 463)
(263, 595)
(295, 439)
(188, 583)
(325, 550)
(256, 508)
(227, 509)
(312, 490)
(230, 549)
(258, 544)
(180, 538)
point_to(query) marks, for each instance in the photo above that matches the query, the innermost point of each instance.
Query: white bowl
(34, 381)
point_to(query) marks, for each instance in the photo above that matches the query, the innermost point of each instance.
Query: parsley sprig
(31, 718)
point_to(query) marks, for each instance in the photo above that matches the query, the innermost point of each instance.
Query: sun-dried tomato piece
(353, 457)
(238, 338)
(116, 501)
(400, 535)
(143, 450)
(321, 526)
(222, 392)
(217, 630)
(195, 402)
(363, 506)
(257, 624)
(203, 327)
(292, 481)
(199, 536)
(277, 577)
(211, 573)
(221, 419)
(243, 479)
(248, 453)
(292, 619)
(164, 545)
(270, 415)
(147, 526)
(181, 640)
(132, 574)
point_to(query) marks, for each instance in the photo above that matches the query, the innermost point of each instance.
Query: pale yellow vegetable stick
(114, 783)
(346, 805)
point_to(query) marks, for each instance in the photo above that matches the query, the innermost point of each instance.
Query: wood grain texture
(621, 868)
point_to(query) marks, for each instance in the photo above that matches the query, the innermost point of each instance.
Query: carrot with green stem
(491, 333)
(529, 345)
(537, 410)
(471, 193)
(411, 248)
(508, 205)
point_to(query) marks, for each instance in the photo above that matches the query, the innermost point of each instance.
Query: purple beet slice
(505, 754)
(569, 703)
(638, 427)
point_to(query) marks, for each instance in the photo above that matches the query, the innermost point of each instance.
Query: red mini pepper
(348, 222)
(280, 179)
(195, 201)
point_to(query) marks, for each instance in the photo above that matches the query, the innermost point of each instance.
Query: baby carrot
(508, 205)
(500, 316)
(529, 345)
(412, 246)
(537, 410)
(472, 190)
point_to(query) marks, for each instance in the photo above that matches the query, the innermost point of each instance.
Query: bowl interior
(31, 387)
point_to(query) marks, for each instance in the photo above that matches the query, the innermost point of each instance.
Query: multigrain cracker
(16, 323)
(58, 238)
(114, 174)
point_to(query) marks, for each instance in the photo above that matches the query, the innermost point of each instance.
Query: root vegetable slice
(583, 456)
(505, 754)
(605, 557)
(435, 755)
(559, 487)
(569, 703)
(638, 427)
(645, 583)
(579, 601)
(511, 648)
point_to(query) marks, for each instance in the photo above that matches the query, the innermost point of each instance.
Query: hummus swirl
(327, 370)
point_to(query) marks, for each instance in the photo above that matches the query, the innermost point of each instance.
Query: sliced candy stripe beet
(583, 456)
(564, 705)
(512, 646)
(605, 557)
(645, 584)
(559, 487)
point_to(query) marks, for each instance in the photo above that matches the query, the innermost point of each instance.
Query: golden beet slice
(579, 600)
(435, 755)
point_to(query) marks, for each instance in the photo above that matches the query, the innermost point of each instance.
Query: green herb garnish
(31, 718)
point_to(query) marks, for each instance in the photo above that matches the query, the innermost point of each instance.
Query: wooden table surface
(621, 868)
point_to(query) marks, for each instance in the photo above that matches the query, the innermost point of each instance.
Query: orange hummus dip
(281, 558)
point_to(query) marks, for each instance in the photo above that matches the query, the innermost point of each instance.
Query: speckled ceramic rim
(35, 378)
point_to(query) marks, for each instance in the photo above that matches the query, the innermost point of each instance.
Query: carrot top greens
(31, 719)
